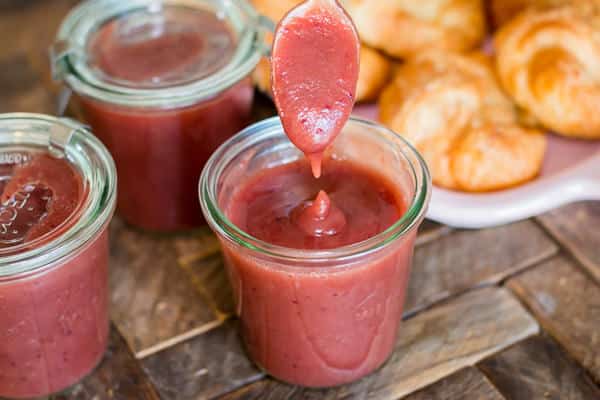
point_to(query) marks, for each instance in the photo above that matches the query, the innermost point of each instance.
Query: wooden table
(505, 313)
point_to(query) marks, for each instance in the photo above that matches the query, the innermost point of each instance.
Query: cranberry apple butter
(318, 258)
(162, 84)
(314, 75)
(57, 194)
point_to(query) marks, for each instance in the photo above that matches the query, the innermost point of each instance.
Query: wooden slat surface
(430, 231)
(118, 377)
(200, 257)
(466, 259)
(431, 346)
(567, 302)
(27, 29)
(154, 301)
(538, 368)
(204, 367)
(577, 227)
(466, 384)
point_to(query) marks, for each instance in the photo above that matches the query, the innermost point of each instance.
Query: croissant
(549, 62)
(374, 73)
(403, 27)
(451, 108)
(503, 11)
(374, 70)
(274, 10)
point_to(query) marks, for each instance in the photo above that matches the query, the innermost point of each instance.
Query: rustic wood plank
(17, 74)
(27, 30)
(23, 90)
(448, 337)
(466, 259)
(567, 302)
(431, 346)
(466, 384)
(154, 302)
(204, 367)
(30, 26)
(576, 228)
(268, 389)
(209, 277)
(118, 377)
(11, 5)
(430, 231)
(196, 247)
(200, 256)
(538, 368)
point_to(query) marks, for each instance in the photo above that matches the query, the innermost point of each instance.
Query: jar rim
(69, 139)
(69, 58)
(272, 127)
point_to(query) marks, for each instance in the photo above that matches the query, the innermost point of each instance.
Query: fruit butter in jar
(57, 196)
(162, 84)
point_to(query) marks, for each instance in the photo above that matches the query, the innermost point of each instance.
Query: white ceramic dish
(571, 172)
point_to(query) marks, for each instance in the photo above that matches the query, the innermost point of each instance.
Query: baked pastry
(451, 108)
(403, 27)
(503, 11)
(262, 76)
(549, 62)
(374, 73)
(274, 10)
(374, 70)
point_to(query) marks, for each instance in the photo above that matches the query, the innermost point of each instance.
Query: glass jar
(54, 319)
(163, 84)
(317, 318)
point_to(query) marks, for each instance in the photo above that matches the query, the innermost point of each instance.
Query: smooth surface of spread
(287, 206)
(175, 46)
(37, 196)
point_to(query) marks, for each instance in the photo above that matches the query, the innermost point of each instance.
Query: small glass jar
(162, 84)
(54, 320)
(327, 317)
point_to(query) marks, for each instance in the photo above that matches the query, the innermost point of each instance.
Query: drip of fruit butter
(319, 217)
(282, 205)
(315, 62)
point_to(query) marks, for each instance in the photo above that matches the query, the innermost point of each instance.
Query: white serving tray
(571, 172)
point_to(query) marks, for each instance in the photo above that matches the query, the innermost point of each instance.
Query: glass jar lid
(158, 53)
(56, 179)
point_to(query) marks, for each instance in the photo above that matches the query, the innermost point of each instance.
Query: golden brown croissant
(374, 70)
(374, 73)
(549, 62)
(402, 27)
(274, 10)
(452, 109)
(503, 11)
(262, 76)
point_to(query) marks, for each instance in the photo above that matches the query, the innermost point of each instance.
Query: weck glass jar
(163, 84)
(57, 196)
(322, 317)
